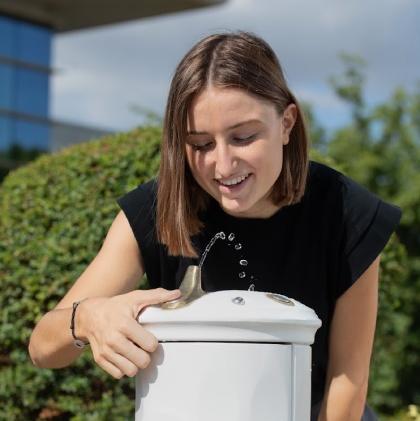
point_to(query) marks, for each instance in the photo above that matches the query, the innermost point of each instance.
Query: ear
(289, 119)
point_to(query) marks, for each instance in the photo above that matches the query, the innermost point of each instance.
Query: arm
(107, 315)
(351, 340)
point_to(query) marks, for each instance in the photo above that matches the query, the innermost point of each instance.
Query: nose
(225, 160)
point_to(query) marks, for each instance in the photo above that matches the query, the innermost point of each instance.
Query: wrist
(79, 322)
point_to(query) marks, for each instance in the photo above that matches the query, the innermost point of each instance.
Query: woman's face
(234, 149)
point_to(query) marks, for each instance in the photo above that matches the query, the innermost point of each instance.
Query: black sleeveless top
(312, 251)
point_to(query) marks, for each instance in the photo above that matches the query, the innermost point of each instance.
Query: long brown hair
(235, 60)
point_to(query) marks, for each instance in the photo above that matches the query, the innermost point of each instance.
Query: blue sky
(102, 72)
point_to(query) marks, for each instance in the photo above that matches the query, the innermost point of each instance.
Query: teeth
(233, 181)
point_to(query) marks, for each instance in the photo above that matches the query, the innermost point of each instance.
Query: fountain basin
(229, 355)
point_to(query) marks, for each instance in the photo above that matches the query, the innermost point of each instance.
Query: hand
(120, 345)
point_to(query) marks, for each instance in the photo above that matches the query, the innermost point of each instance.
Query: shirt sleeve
(368, 222)
(138, 206)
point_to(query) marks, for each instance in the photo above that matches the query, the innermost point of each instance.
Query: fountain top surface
(236, 316)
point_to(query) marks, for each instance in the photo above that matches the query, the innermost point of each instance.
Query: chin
(235, 209)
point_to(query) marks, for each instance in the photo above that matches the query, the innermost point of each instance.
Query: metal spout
(190, 289)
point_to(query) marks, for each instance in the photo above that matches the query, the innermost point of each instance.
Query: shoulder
(359, 205)
(363, 224)
(360, 211)
(147, 189)
(324, 188)
(352, 195)
(324, 175)
(139, 204)
(358, 202)
(139, 207)
(143, 193)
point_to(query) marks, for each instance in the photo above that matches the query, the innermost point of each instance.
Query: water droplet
(231, 236)
(251, 287)
(242, 274)
(238, 246)
(243, 262)
(222, 235)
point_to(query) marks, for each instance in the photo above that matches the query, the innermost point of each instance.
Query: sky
(101, 74)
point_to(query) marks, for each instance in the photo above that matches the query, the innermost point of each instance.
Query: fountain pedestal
(228, 356)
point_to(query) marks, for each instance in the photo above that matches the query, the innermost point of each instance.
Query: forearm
(51, 343)
(343, 400)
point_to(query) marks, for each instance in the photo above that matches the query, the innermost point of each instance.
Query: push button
(280, 299)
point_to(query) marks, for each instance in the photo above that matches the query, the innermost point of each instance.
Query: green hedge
(54, 215)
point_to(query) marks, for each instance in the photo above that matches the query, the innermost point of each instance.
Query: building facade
(25, 54)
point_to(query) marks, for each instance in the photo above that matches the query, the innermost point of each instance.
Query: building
(24, 80)
(26, 31)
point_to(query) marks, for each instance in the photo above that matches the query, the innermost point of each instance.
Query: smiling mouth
(233, 181)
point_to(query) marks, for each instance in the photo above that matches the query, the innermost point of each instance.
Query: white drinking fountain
(229, 355)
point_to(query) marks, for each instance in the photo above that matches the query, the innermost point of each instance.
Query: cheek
(197, 164)
(268, 162)
(276, 162)
(260, 158)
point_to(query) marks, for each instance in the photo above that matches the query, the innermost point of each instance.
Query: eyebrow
(253, 120)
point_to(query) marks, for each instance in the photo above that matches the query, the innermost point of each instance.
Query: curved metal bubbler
(190, 289)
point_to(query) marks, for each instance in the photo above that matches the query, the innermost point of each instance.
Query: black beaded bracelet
(77, 342)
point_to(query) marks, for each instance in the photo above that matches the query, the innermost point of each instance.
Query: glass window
(6, 86)
(7, 36)
(31, 92)
(5, 132)
(32, 135)
(33, 43)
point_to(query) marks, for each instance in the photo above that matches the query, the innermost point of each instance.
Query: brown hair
(235, 60)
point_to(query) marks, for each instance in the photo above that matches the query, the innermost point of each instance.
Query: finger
(140, 358)
(151, 297)
(124, 364)
(111, 369)
(154, 296)
(140, 336)
(106, 365)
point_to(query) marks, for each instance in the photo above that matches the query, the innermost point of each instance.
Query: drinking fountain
(232, 355)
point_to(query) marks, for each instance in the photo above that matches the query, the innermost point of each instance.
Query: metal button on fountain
(238, 300)
(228, 355)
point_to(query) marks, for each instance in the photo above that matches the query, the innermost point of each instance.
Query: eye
(245, 139)
(203, 147)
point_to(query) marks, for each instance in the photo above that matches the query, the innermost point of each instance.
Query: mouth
(232, 184)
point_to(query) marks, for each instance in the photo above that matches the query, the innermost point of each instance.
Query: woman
(235, 159)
